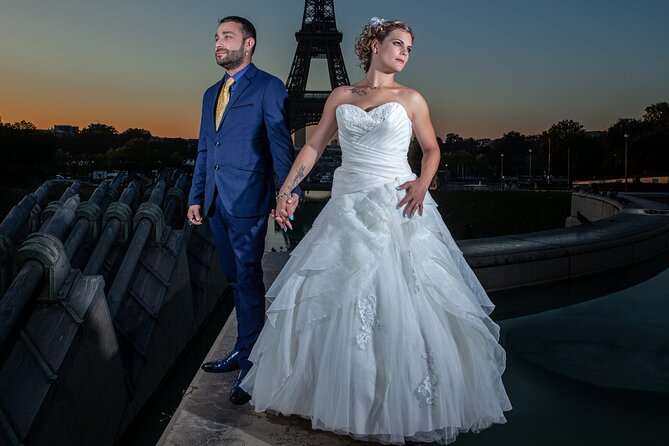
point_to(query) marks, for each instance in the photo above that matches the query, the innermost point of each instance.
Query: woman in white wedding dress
(378, 328)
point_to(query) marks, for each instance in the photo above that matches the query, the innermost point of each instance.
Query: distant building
(65, 130)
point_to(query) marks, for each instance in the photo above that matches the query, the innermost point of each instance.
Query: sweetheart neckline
(367, 112)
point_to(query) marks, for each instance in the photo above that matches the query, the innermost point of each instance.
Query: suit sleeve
(278, 133)
(196, 195)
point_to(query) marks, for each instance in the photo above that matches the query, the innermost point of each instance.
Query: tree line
(571, 149)
(95, 147)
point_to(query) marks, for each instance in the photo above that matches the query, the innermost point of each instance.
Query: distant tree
(614, 145)
(23, 125)
(649, 148)
(460, 164)
(657, 113)
(137, 153)
(62, 161)
(453, 140)
(566, 131)
(99, 129)
(575, 154)
(516, 150)
(482, 164)
(96, 139)
(133, 133)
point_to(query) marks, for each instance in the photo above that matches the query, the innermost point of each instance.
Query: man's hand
(193, 215)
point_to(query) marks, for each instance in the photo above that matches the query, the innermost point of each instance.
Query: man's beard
(232, 59)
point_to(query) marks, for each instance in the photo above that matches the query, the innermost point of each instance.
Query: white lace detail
(367, 310)
(427, 389)
(366, 120)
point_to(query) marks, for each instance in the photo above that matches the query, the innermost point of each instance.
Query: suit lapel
(212, 106)
(242, 85)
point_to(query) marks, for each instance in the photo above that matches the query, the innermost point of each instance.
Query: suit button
(217, 144)
(216, 167)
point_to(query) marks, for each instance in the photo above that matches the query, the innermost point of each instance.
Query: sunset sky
(485, 67)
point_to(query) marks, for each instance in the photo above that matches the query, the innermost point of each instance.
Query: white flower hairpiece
(375, 21)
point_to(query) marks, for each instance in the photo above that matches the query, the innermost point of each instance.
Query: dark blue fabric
(240, 242)
(234, 183)
(236, 77)
(253, 142)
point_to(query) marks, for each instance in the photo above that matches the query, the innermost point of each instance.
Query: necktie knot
(228, 83)
(223, 99)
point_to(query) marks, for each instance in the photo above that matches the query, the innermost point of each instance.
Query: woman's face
(393, 52)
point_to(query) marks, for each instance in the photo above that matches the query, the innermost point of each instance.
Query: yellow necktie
(223, 99)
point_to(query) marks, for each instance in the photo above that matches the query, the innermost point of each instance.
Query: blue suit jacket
(253, 141)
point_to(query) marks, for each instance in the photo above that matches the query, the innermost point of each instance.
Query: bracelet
(281, 195)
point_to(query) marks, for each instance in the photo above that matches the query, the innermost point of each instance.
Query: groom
(244, 138)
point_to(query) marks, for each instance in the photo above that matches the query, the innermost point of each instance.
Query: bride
(378, 328)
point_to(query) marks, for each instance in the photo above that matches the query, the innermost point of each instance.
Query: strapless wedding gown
(378, 328)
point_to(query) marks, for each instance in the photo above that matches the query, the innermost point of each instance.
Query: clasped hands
(285, 208)
(412, 202)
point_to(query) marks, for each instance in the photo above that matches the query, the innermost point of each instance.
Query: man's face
(229, 45)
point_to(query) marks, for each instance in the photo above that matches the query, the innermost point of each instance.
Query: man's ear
(250, 43)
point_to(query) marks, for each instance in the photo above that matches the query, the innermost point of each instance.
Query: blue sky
(485, 67)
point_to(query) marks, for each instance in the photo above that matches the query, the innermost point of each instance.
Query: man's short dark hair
(248, 30)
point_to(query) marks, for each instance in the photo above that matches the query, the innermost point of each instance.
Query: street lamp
(530, 164)
(626, 137)
(502, 172)
(549, 161)
(568, 167)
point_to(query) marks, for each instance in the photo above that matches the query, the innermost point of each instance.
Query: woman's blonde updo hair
(377, 29)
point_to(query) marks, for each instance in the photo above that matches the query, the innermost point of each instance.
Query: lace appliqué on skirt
(367, 311)
(427, 389)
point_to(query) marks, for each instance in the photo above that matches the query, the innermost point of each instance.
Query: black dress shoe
(237, 394)
(228, 364)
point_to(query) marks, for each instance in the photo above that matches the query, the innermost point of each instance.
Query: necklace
(373, 87)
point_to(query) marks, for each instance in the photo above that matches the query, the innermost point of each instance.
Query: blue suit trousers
(240, 244)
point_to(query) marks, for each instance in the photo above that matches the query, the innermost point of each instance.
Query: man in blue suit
(244, 139)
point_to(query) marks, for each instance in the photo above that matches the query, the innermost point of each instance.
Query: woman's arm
(422, 127)
(307, 158)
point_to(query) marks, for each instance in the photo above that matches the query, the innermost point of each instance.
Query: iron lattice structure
(317, 39)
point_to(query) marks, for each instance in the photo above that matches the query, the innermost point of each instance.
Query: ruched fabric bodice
(374, 146)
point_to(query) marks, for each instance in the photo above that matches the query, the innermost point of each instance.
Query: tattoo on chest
(359, 91)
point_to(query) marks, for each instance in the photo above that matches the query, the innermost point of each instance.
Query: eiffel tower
(317, 39)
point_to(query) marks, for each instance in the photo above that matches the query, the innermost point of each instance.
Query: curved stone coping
(535, 258)
(593, 207)
(639, 232)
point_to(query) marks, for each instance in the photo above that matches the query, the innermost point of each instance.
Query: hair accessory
(375, 21)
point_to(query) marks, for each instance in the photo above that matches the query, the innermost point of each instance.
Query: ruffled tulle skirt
(379, 329)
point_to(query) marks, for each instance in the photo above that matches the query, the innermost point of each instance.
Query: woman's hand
(285, 208)
(413, 200)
